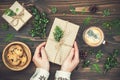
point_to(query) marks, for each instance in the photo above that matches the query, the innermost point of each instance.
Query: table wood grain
(63, 8)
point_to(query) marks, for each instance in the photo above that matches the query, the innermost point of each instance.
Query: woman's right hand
(72, 60)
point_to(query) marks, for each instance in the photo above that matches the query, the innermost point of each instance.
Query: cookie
(18, 50)
(23, 60)
(11, 48)
(13, 59)
(16, 55)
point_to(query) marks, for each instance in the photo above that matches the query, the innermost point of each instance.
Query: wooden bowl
(27, 54)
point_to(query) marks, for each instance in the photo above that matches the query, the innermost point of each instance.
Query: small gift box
(60, 40)
(16, 15)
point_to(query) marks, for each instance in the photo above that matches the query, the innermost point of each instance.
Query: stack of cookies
(16, 55)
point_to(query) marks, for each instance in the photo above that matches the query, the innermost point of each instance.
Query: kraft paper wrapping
(57, 51)
(20, 19)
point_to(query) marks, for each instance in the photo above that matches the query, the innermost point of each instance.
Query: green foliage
(72, 9)
(53, 10)
(40, 22)
(9, 37)
(106, 12)
(87, 20)
(113, 25)
(111, 61)
(99, 54)
(9, 12)
(5, 26)
(96, 68)
(106, 25)
(58, 34)
(86, 63)
(17, 9)
(116, 53)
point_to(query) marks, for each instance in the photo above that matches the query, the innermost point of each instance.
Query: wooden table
(63, 8)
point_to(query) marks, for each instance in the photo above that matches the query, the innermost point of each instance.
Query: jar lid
(93, 36)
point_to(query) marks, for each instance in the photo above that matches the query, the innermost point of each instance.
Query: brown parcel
(20, 19)
(58, 51)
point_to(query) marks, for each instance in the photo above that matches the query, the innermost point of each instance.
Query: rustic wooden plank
(63, 7)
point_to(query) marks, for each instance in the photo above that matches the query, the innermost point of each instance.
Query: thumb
(43, 53)
(70, 56)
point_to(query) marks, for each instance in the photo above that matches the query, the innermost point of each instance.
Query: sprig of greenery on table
(96, 67)
(9, 37)
(40, 23)
(87, 20)
(113, 25)
(111, 61)
(99, 54)
(53, 10)
(86, 63)
(106, 12)
(72, 9)
(93, 64)
(58, 33)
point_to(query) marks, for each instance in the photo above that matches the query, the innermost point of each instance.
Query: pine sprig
(72, 9)
(40, 23)
(9, 12)
(9, 37)
(53, 10)
(87, 20)
(58, 33)
(106, 12)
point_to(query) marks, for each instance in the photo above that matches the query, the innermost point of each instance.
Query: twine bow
(18, 18)
(58, 47)
(62, 42)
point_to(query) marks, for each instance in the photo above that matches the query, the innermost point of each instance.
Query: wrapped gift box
(21, 17)
(58, 51)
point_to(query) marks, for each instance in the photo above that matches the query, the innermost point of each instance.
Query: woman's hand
(40, 57)
(72, 60)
